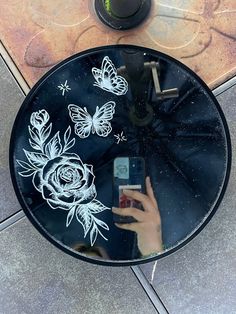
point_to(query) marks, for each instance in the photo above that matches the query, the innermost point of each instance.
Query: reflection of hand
(148, 225)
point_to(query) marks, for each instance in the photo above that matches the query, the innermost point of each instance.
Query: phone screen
(124, 200)
(129, 174)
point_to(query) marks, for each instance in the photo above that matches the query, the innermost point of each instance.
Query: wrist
(152, 246)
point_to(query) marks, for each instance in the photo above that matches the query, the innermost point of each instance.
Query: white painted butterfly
(107, 78)
(99, 122)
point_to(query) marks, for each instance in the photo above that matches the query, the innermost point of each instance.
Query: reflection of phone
(129, 174)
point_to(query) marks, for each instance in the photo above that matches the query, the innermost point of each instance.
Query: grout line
(11, 220)
(10, 64)
(151, 293)
(224, 87)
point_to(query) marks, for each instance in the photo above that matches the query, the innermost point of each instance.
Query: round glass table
(120, 155)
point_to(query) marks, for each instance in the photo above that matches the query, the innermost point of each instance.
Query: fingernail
(127, 191)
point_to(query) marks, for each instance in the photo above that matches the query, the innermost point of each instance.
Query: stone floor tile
(38, 278)
(11, 98)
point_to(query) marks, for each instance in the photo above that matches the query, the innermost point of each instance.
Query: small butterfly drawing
(107, 78)
(98, 123)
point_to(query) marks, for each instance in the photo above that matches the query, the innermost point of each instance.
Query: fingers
(131, 226)
(136, 195)
(150, 192)
(137, 214)
(148, 201)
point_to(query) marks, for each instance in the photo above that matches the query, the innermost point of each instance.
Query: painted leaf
(93, 235)
(101, 223)
(46, 132)
(53, 148)
(25, 165)
(67, 135)
(34, 135)
(34, 145)
(70, 216)
(36, 159)
(69, 145)
(27, 173)
(96, 207)
(84, 217)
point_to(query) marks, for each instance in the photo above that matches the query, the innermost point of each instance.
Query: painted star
(64, 88)
(120, 138)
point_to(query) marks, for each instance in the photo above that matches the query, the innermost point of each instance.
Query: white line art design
(64, 88)
(108, 79)
(63, 180)
(98, 123)
(120, 138)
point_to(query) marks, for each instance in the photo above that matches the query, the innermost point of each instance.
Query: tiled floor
(37, 278)
(11, 98)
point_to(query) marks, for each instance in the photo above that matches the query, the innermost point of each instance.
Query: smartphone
(128, 174)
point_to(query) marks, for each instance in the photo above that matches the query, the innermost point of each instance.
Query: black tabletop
(103, 122)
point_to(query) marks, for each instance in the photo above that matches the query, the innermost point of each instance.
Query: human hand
(148, 225)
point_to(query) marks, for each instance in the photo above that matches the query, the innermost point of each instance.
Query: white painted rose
(65, 182)
(39, 118)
